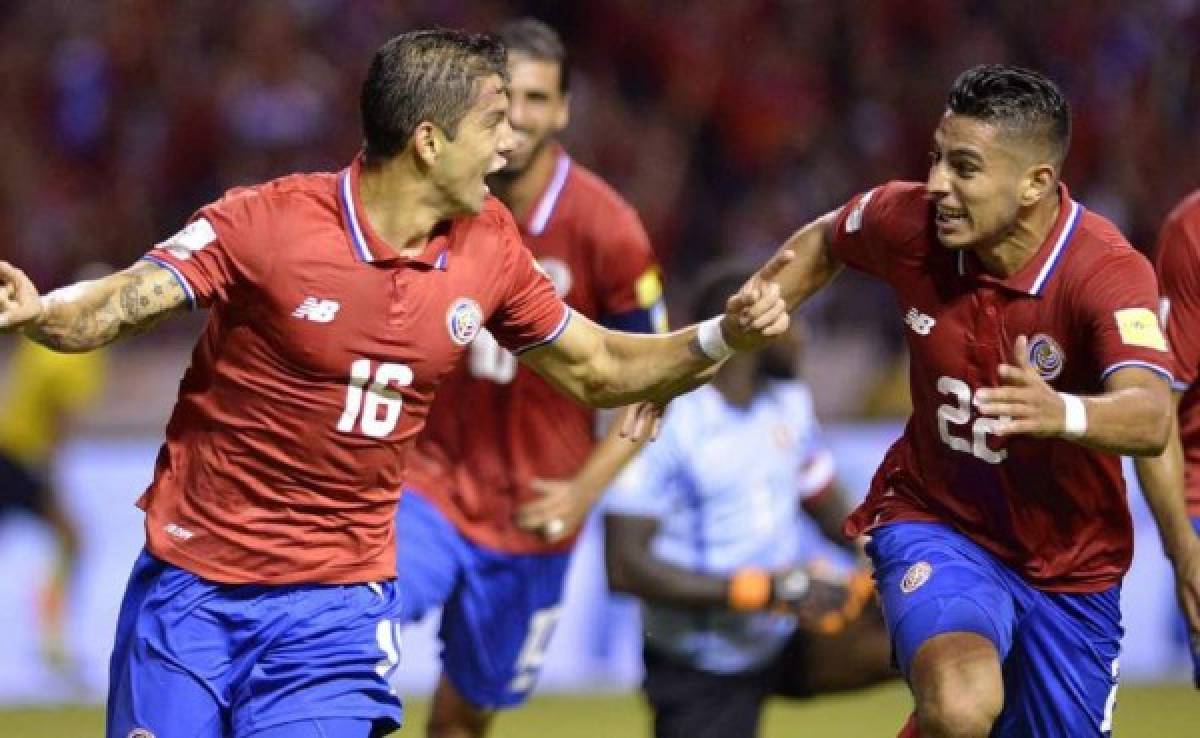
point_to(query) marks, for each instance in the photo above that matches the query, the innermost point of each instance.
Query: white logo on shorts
(140, 733)
(916, 576)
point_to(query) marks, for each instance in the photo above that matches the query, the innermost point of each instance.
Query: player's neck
(738, 381)
(399, 207)
(1008, 255)
(520, 191)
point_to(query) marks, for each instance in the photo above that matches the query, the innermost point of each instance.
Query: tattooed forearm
(88, 315)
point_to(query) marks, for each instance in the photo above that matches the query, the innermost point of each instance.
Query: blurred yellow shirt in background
(44, 389)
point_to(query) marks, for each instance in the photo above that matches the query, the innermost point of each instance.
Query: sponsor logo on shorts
(140, 733)
(463, 320)
(916, 576)
(1046, 356)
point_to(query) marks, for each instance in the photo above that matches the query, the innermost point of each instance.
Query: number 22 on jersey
(959, 415)
(374, 405)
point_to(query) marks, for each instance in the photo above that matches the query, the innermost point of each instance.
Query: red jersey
(285, 452)
(1053, 510)
(496, 425)
(1178, 265)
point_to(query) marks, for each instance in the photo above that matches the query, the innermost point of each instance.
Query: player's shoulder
(1179, 237)
(791, 393)
(585, 185)
(692, 414)
(593, 203)
(313, 189)
(793, 399)
(1185, 213)
(1100, 242)
(494, 215)
(897, 210)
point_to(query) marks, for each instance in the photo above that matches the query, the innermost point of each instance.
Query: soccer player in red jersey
(261, 605)
(998, 521)
(504, 472)
(1172, 481)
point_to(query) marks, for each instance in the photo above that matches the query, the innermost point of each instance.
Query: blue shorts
(498, 610)
(1059, 651)
(194, 659)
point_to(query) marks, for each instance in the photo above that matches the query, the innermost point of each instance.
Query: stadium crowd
(725, 124)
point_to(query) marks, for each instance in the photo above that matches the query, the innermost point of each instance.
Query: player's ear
(1040, 181)
(427, 143)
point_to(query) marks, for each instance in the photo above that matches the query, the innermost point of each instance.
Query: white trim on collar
(545, 208)
(356, 235)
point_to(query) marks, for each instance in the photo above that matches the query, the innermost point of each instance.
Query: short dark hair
(537, 40)
(1021, 101)
(431, 75)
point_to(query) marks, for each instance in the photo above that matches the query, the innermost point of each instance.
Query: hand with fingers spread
(558, 512)
(1024, 403)
(758, 312)
(19, 299)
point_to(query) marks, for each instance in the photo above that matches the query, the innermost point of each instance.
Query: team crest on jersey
(558, 273)
(463, 320)
(916, 576)
(1046, 356)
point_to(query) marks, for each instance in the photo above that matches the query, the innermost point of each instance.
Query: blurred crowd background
(727, 123)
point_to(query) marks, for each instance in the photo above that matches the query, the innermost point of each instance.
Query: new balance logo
(919, 321)
(317, 310)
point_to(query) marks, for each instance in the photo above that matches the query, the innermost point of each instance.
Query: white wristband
(1075, 419)
(711, 339)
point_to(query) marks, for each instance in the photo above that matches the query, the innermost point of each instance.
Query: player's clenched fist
(19, 299)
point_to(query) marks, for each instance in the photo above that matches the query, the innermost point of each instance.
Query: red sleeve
(223, 245)
(1120, 300)
(1178, 268)
(870, 227)
(530, 314)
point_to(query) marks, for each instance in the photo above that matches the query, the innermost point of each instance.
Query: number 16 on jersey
(374, 405)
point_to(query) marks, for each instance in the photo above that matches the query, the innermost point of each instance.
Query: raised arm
(88, 315)
(812, 265)
(608, 368)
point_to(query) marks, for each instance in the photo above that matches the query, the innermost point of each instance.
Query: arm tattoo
(92, 314)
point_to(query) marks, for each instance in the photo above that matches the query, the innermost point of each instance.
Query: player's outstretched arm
(812, 264)
(1132, 417)
(88, 315)
(605, 368)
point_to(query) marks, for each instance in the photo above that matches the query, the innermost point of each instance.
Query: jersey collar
(367, 245)
(1033, 277)
(539, 217)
